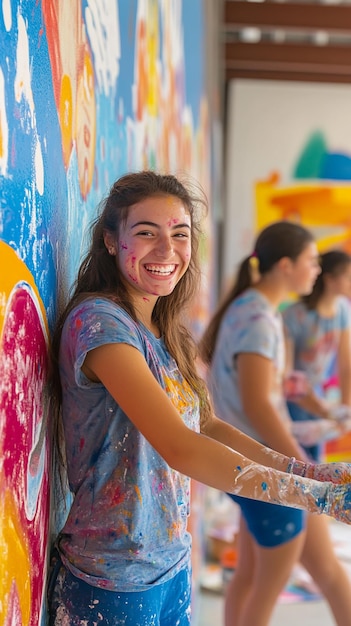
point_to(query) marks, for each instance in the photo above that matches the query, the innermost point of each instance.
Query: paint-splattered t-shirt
(249, 325)
(316, 339)
(126, 529)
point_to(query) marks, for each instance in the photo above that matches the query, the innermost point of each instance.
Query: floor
(305, 614)
(208, 606)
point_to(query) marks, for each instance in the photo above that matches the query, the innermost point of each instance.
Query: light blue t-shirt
(316, 339)
(126, 529)
(249, 325)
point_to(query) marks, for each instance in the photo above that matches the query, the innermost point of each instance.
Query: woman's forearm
(345, 387)
(245, 445)
(222, 467)
(311, 403)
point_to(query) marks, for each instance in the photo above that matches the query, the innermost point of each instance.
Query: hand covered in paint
(294, 488)
(327, 497)
(337, 502)
(340, 413)
(312, 432)
(336, 473)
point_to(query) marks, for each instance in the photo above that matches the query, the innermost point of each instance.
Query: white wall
(268, 125)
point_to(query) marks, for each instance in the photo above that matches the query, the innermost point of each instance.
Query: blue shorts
(75, 602)
(270, 524)
(298, 414)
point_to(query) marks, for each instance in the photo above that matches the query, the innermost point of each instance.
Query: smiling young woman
(154, 249)
(135, 420)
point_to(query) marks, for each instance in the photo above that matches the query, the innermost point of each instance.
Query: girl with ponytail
(317, 334)
(244, 350)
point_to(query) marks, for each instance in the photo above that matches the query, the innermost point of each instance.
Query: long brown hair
(334, 263)
(98, 275)
(278, 240)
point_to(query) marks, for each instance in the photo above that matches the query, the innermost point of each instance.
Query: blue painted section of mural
(193, 40)
(28, 216)
(19, 197)
(89, 89)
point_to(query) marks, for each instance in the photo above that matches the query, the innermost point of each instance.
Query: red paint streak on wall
(23, 371)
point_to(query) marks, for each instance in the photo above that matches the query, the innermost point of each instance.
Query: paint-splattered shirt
(249, 325)
(126, 529)
(316, 339)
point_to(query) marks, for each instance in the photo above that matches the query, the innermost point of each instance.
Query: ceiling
(282, 40)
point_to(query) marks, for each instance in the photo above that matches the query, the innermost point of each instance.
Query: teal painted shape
(311, 161)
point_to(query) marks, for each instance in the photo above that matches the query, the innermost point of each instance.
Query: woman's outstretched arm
(123, 371)
(235, 438)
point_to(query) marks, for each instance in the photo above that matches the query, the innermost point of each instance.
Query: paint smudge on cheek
(130, 268)
(133, 278)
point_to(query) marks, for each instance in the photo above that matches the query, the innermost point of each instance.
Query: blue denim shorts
(75, 602)
(270, 524)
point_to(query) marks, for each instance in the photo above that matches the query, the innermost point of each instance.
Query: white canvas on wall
(268, 124)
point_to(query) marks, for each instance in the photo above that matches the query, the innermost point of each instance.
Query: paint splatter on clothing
(315, 339)
(126, 529)
(73, 601)
(249, 325)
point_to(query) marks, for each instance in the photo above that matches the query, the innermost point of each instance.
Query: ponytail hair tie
(253, 260)
(254, 264)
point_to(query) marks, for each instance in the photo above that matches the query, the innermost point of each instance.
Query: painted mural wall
(89, 89)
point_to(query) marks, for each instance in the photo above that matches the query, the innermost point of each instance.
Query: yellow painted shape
(313, 204)
(66, 118)
(152, 44)
(180, 393)
(340, 240)
(15, 561)
(86, 125)
(15, 271)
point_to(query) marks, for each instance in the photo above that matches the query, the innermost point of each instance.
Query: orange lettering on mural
(73, 80)
(85, 128)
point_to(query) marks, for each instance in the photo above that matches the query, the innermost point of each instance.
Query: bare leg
(240, 584)
(260, 576)
(319, 559)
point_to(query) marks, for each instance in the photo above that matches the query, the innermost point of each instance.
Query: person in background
(132, 419)
(318, 342)
(243, 347)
